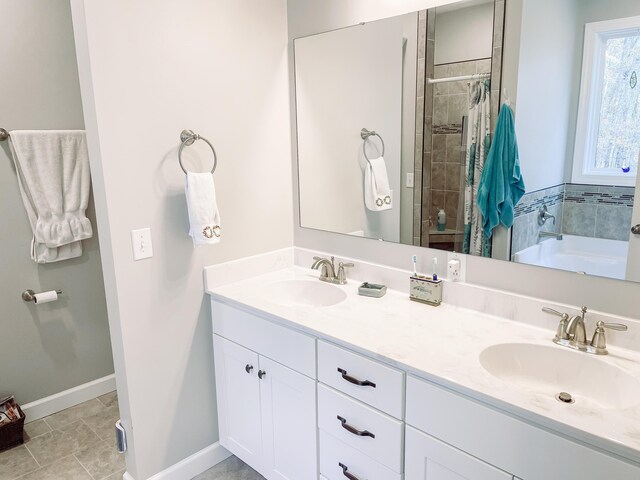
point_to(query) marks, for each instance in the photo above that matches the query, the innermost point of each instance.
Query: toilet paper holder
(30, 296)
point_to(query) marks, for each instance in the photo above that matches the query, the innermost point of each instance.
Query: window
(608, 129)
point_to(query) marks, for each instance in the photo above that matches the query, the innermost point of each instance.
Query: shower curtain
(477, 148)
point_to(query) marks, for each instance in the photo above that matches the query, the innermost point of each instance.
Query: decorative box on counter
(426, 290)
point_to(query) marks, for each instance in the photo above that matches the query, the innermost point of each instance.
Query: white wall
(464, 34)
(44, 349)
(546, 73)
(346, 80)
(148, 70)
(599, 293)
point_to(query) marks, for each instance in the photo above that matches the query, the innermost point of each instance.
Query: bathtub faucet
(544, 215)
(557, 236)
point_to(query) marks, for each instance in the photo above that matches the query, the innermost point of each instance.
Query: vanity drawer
(505, 441)
(371, 432)
(336, 455)
(339, 368)
(284, 345)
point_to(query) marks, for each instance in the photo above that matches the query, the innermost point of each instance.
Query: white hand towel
(54, 179)
(204, 217)
(377, 193)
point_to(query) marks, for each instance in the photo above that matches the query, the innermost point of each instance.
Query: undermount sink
(551, 370)
(303, 293)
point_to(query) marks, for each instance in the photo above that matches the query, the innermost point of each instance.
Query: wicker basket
(12, 434)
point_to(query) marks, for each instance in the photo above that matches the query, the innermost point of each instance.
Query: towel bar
(187, 137)
(365, 134)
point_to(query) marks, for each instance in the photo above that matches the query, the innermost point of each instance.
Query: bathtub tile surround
(525, 225)
(606, 210)
(595, 211)
(74, 444)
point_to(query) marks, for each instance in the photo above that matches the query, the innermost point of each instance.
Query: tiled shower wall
(584, 210)
(450, 105)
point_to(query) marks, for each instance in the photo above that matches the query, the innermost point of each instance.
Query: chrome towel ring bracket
(188, 138)
(365, 134)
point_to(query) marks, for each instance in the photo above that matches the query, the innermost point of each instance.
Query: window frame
(590, 103)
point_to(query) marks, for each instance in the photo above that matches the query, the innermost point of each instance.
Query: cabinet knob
(261, 374)
(248, 368)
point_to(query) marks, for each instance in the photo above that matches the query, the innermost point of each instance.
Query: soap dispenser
(442, 220)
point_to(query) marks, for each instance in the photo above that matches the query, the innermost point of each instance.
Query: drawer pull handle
(248, 368)
(261, 374)
(345, 472)
(355, 431)
(355, 381)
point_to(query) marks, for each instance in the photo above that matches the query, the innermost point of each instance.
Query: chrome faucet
(572, 332)
(557, 236)
(544, 215)
(328, 272)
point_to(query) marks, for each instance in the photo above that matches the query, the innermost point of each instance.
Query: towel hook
(188, 137)
(365, 134)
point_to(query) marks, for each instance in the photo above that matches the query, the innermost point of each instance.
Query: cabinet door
(288, 423)
(238, 393)
(427, 458)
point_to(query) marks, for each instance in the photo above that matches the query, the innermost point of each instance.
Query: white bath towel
(204, 217)
(377, 193)
(54, 178)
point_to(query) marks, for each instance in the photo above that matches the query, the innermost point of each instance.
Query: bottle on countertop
(442, 220)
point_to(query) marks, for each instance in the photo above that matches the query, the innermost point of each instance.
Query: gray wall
(52, 347)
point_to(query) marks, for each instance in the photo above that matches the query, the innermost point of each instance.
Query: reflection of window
(608, 129)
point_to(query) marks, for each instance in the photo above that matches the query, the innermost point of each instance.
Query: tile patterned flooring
(74, 444)
(78, 444)
(231, 469)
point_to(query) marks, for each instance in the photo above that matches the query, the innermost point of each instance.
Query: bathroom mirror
(393, 97)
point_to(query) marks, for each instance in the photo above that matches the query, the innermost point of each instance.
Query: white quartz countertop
(443, 344)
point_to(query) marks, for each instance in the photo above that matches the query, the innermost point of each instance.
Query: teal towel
(501, 185)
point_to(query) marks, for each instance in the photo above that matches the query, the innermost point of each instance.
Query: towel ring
(187, 137)
(365, 134)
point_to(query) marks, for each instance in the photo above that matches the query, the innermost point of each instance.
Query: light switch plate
(409, 183)
(141, 242)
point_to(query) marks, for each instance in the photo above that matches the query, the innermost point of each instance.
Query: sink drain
(565, 397)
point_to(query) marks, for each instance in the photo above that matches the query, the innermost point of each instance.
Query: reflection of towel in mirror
(377, 194)
(501, 185)
(54, 179)
(204, 217)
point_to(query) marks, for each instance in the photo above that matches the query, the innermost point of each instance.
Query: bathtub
(594, 256)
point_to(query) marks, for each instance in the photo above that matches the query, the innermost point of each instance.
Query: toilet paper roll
(45, 297)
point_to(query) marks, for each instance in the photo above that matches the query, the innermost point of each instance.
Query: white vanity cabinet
(460, 433)
(360, 418)
(360, 412)
(427, 458)
(266, 410)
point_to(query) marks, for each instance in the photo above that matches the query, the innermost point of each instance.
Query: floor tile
(117, 475)
(101, 460)
(231, 469)
(15, 462)
(70, 415)
(35, 429)
(102, 423)
(109, 399)
(67, 468)
(63, 442)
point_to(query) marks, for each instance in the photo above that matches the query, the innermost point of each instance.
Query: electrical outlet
(141, 242)
(456, 267)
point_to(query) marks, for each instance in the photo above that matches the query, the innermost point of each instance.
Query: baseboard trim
(69, 398)
(191, 466)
